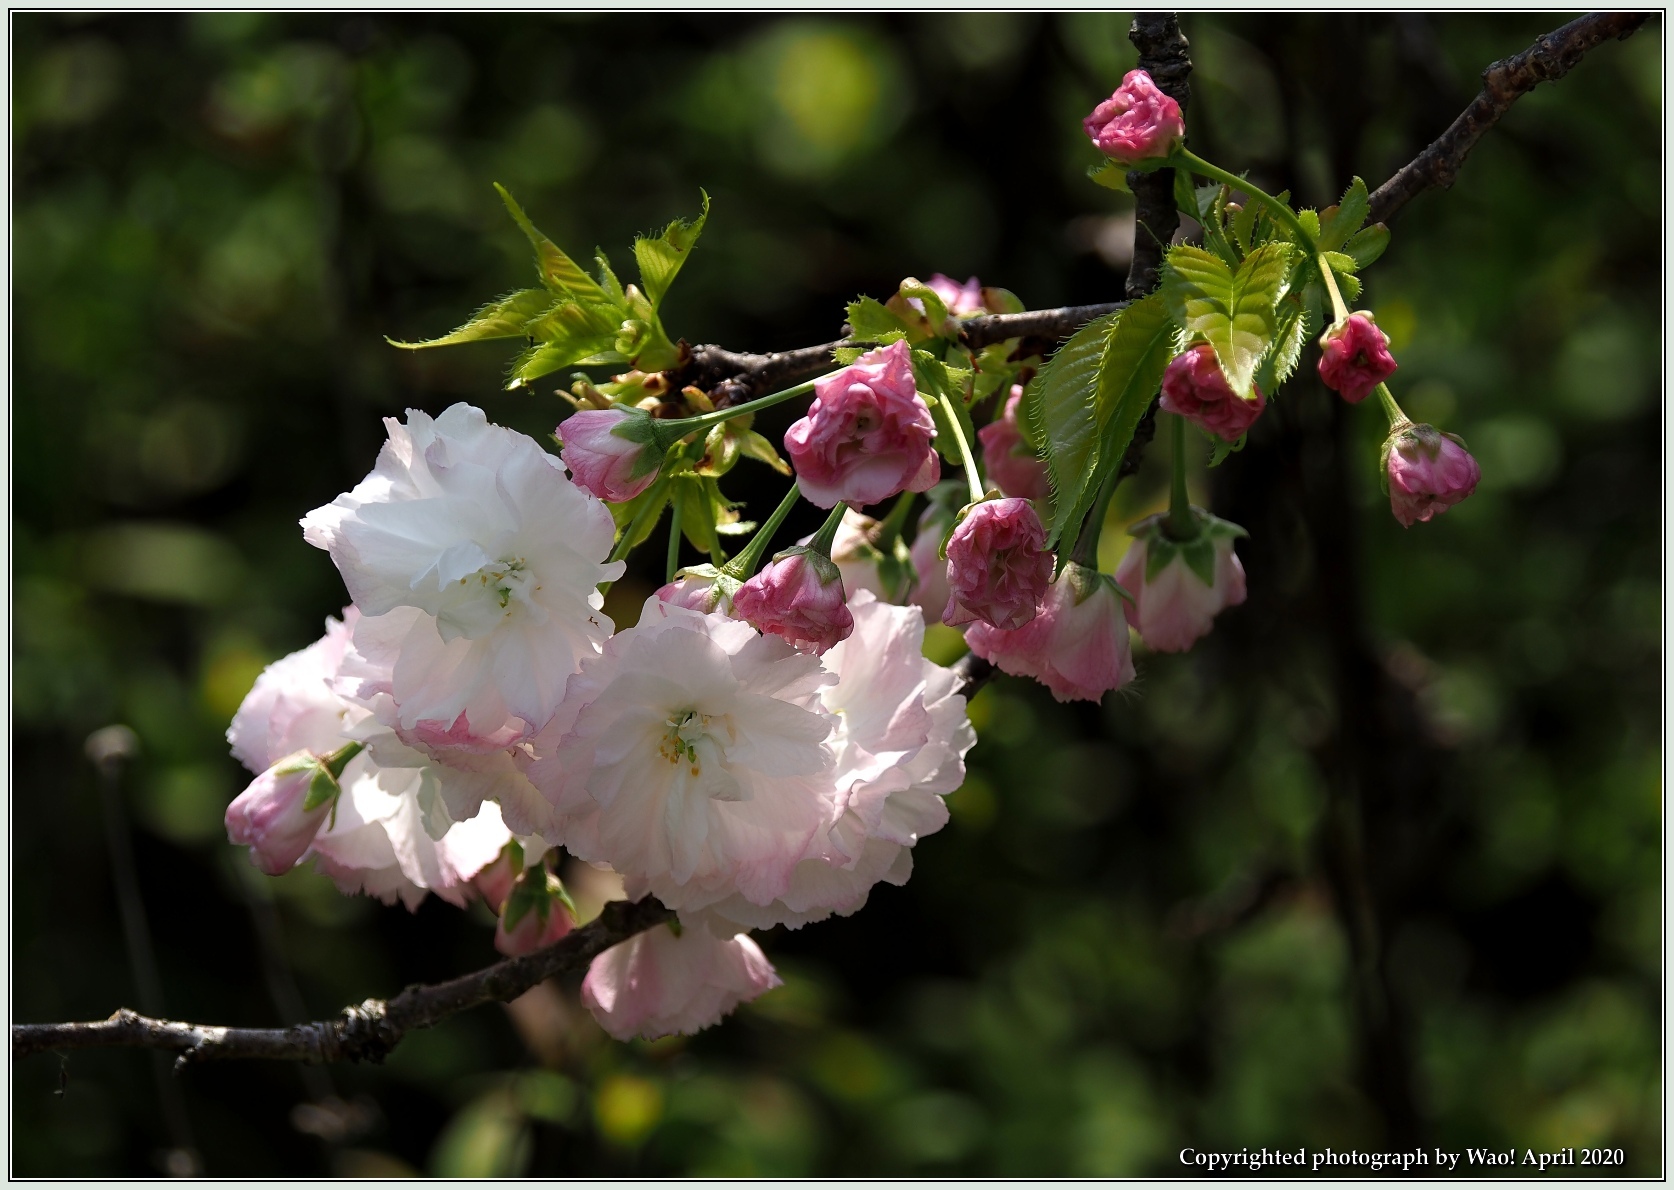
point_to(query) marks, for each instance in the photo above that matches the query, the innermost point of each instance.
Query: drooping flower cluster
(476, 689)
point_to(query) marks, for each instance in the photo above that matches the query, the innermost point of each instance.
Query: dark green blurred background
(1377, 864)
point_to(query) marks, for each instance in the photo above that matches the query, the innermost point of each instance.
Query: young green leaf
(871, 322)
(558, 272)
(1368, 244)
(1109, 175)
(1292, 337)
(1130, 372)
(503, 318)
(1236, 315)
(1060, 405)
(660, 259)
(1244, 226)
(1340, 222)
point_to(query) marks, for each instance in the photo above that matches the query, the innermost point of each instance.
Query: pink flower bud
(1011, 462)
(700, 592)
(611, 466)
(1077, 646)
(799, 596)
(1137, 122)
(1355, 358)
(1195, 388)
(962, 301)
(1429, 472)
(494, 882)
(867, 435)
(1180, 587)
(269, 818)
(998, 567)
(533, 931)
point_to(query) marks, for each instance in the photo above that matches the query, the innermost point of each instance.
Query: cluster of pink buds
(1195, 387)
(798, 596)
(998, 566)
(1354, 357)
(1428, 472)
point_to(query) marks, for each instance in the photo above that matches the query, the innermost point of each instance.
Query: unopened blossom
(374, 838)
(534, 916)
(1195, 387)
(661, 982)
(1077, 647)
(1355, 358)
(1010, 461)
(998, 566)
(494, 882)
(491, 558)
(867, 434)
(1179, 588)
(701, 592)
(272, 818)
(1429, 472)
(691, 757)
(900, 744)
(1138, 122)
(608, 463)
(799, 596)
(962, 301)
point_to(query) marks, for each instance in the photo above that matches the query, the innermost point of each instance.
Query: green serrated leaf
(1244, 226)
(503, 318)
(1288, 343)
(1309, 219)
(1235, 314)
(552, 357)
(1130, 372)
(1109, 175)
(558, 272)
(1367, 244)
(1185, 195)
(847, 355)
(660, 259)
(1220, 448)
(607, 278)
(871, 322)
(1060, 405)
(1343, 220)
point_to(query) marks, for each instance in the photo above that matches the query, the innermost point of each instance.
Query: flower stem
(1397, 417)
(743, 564)
(1186, 159)
(821, 544)
(889, 529)
(1182, 525)
(671, 431)
(964, 449)
(1086, 552)
(673, 562)
(653, 505)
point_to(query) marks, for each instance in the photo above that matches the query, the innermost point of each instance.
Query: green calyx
(1085, 582)
(536, 891)
(1197, 551)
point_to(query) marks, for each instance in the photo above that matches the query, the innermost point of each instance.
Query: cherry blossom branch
(1552, 56)
(365, 1032)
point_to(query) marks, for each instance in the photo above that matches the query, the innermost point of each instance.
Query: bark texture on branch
(1552, 56)
(1164, 54)
(366, 1032)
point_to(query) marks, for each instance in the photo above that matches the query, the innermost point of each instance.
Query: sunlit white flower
(900, 746)
(479, 529)
(691, 757)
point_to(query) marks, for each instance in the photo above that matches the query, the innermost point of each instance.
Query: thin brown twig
(365, 1032)
(1552, 56)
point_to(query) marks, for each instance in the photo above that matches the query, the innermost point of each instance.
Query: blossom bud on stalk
(606, 456)
(867, 435)
(799, 596)
(495, 882)
(1354, 358)
(998, 566)
(1195, 387)
(962, 301)
(536, 914)
(1137, 123)
(282, 810)
(701, 588)
(1428, 472)
(1179, 587)
(1077, 646)
(1011, 462)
